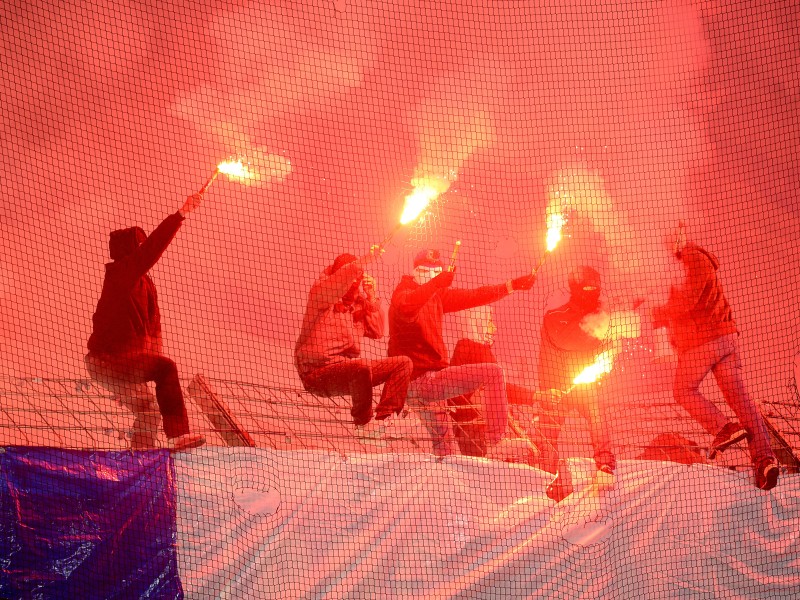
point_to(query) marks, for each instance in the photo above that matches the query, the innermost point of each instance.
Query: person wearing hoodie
(125, 347)
(342, 308)
(704, 335)
(569, 344)
(416, 314)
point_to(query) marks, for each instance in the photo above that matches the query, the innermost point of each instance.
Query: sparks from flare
(426, 190)
(233, 169)
(555, 223)
(601, 366)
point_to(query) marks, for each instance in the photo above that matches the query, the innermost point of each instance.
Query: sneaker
(185, 442)
(767, 471)
(730, 434)
(604, 479)
(372, 432)
(509, 449)
(561, 486)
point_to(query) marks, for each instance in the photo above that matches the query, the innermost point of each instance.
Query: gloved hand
(523, 283)
(444, 279)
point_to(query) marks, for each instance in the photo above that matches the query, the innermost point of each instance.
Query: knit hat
(341, 260)
(429, 259)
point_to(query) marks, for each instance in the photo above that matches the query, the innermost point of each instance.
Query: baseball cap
(429, 259)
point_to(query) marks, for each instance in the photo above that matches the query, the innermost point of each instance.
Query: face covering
(587, 297)
(423, 275)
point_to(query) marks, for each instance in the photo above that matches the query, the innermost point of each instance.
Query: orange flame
(602, 365)
(555, 223)
(235, 169)
(426, 190)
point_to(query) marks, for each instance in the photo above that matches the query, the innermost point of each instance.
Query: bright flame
(426, 190)
(602, 365)
(555, 222)
(235, 169)
(416, 202)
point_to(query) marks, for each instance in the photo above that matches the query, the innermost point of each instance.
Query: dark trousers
(554, 413)
(356, 378)
(124, 374)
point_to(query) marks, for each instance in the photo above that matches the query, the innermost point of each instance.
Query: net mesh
(620, 119)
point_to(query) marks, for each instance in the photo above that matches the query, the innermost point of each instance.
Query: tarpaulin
(265, 524)
(85, 524)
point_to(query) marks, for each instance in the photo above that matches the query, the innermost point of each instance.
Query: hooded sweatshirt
(697, 311)
(127, 318)
(416, 314)
(567, 346)
(332, 329)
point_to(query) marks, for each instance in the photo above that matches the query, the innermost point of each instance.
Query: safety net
(399, 299)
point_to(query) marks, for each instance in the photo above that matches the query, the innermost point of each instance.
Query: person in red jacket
(569, 345)
(416, 313)
(327, 354)
(125, 347)
(704, 334)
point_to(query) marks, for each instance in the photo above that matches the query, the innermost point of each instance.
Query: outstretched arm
(147, 254)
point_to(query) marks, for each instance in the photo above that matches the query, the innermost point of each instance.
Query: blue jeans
(720, 357)
(433, 388)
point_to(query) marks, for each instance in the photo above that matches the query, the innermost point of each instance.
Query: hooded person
(416, 315)
(704, 335)
(125, 347)
(342, 308)
(571, 341)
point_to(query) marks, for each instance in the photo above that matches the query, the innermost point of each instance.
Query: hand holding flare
(453, 256)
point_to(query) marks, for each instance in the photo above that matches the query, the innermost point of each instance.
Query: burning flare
(602, 365)
(235, 169)
(555, 223)
(426, 190)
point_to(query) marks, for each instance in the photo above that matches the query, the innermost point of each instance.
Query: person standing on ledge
(704, 335)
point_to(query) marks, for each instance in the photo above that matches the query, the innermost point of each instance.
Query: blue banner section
(86, 524)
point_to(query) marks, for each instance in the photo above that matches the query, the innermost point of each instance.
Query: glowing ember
(235, 169)
(426, 190)
(602, 365)
(555, 223)
(416, 202)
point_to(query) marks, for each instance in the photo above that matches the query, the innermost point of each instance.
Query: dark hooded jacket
(567, 347)
(127, 318)
(697, 311)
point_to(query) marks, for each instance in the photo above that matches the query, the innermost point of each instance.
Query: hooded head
(584, 287)
(341, 261)
(123, 242)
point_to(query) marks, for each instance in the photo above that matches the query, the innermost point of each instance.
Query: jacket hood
(123, 242)
(710, 255)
